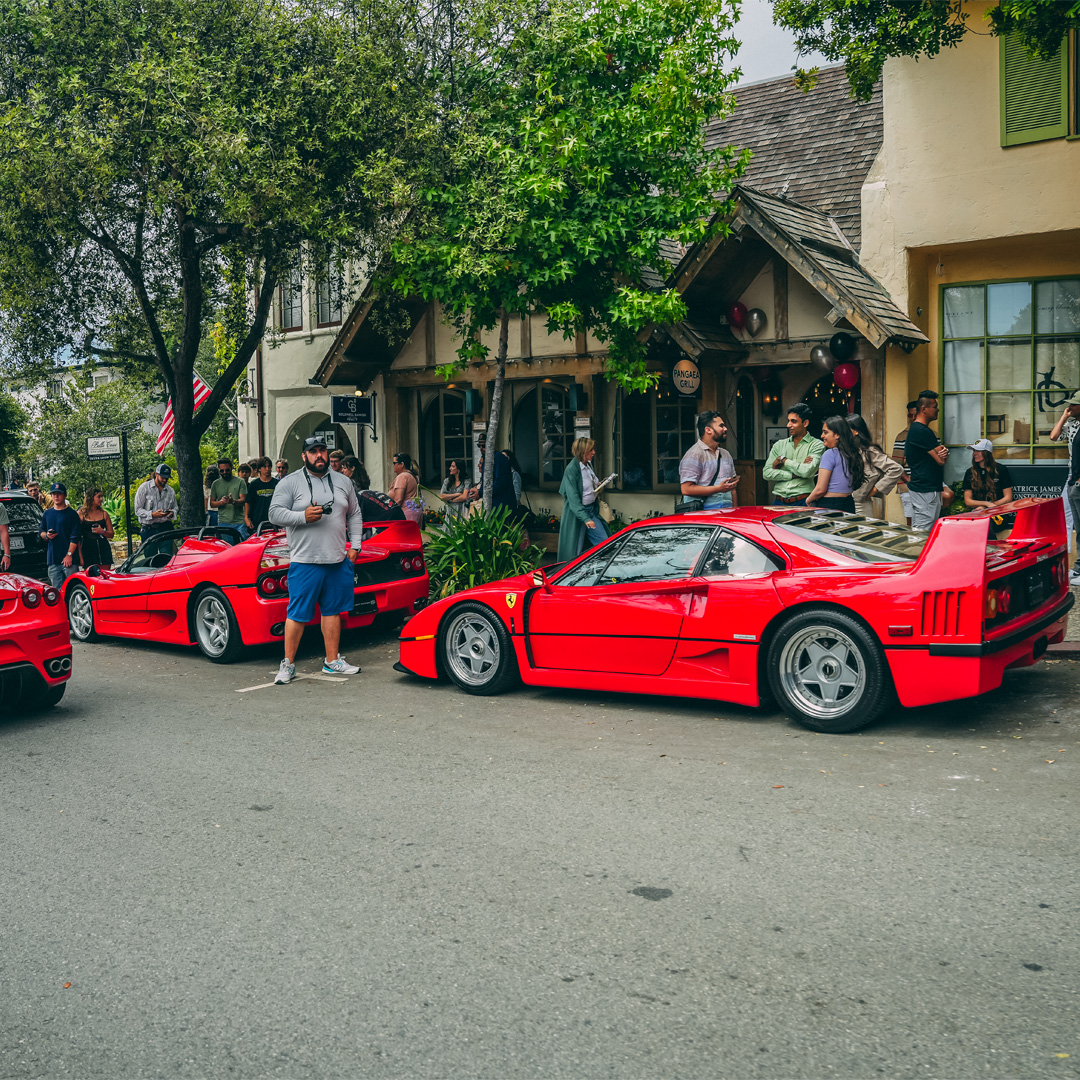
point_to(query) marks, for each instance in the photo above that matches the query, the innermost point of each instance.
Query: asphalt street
(383, 877)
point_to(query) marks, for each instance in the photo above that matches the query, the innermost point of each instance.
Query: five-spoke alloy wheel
(80, 613)
(827, 671)
(216, 630)
(476, 650)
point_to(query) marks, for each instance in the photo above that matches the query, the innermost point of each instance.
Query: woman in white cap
(987, 483)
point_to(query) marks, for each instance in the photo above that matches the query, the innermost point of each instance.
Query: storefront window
(443, 437)
(652, 432)
(542, 432)
(1010, 358)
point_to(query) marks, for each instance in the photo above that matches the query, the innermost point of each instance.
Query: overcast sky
(767, 51)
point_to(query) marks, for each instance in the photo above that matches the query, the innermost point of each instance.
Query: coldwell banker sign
(686, 378)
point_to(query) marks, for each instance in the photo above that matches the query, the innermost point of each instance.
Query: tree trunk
(190, 470)
(496, 409)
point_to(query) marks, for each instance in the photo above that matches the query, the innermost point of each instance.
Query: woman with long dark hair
(95, 530)
(841, 470)
(455, 490)
(882, 472)
(987, 483)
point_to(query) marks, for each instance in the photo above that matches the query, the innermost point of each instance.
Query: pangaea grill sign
(686, 378)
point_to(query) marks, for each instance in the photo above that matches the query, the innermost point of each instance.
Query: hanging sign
(103, 448)
(686, 378)
(350, 409)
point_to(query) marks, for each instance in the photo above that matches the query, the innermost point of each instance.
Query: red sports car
(200, 586)
(835, 614)
(35, 648)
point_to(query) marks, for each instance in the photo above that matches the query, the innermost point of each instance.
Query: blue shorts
(330, 585)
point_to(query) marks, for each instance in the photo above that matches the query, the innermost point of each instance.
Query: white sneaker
(1074, 578)
(286, 672)
(340, 666)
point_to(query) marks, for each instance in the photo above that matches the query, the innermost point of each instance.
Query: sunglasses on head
(314, 444)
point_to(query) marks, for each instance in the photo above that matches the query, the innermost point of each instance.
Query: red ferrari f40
(833, 615)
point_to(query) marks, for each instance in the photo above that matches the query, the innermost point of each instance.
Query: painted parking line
(320, 678)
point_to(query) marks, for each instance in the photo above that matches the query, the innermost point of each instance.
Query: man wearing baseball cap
(155, 503)
(321, 515)
(60, 527)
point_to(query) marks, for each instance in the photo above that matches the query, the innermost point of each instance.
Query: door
(119, 597)
(621, 610)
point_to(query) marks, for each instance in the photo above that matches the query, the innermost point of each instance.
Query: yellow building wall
(944, 202)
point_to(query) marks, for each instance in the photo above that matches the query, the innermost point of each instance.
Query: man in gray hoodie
(319, 510)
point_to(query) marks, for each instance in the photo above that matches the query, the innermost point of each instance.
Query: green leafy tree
(165, 161)
(12, 423)
(583, 154)
(865, 33)
(56, 449)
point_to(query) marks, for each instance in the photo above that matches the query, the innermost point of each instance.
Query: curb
(1064, 650)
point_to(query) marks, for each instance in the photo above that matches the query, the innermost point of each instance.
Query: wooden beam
(780, 299)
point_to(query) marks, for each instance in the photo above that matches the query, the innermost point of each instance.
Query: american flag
(202, 392)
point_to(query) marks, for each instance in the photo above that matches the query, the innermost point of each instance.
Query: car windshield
(23, 514)
(864, 539)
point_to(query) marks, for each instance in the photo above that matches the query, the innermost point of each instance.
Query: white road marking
(320, 678)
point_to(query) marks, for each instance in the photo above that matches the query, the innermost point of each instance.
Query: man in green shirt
(793, 462)
(227, 496)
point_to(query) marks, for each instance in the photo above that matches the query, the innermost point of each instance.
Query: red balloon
(846, 375)
(736, 315)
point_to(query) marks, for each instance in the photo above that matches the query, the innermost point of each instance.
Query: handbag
(692, 506)
(605, 511)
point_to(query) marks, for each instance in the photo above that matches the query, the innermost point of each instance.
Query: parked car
(202, 586)
(35, 648)
(835, 615)
(24, 526)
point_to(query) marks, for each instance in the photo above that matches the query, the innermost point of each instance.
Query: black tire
(214, 627)
(827, 671)
(80, 613)
(475, 650)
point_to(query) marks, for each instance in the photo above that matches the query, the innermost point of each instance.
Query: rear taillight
(50, 595)
(273, 585)
(1059, 573)
(412, 564)
(990, 610)
(418, 562)
(31, 597)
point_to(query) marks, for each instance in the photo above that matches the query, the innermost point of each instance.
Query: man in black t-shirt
(926, 463)
(260, 492)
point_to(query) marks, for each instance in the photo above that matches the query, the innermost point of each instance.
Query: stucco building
(971, 220)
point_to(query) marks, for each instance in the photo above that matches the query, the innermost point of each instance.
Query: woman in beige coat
(882, 472)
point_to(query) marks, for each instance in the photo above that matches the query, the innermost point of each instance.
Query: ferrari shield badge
(91, 590)
(511, 600)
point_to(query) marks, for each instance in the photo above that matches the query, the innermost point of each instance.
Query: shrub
(477, 549)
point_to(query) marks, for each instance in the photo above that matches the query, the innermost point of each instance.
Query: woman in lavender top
(841, 470)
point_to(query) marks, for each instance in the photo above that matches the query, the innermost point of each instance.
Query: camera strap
(307, 477)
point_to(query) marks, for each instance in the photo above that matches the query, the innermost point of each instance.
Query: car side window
(588, 571)
(735, 556)
(663, 553)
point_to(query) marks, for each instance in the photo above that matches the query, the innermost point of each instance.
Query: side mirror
(540, 579)
(93, 571)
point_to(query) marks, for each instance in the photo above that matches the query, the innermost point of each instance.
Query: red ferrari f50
(835, 614)
(197, 585)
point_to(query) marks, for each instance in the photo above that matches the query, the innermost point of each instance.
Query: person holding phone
(60, 526)
(228, 494)
(156, 508)
(707, 470)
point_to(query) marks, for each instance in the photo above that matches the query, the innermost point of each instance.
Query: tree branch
(223, 387)
(120, 354)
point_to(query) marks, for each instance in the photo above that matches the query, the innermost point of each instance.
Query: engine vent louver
(941, 612)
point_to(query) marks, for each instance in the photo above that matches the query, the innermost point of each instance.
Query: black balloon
(842, 346)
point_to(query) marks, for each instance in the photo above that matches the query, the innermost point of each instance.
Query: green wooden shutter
(1034, 95)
